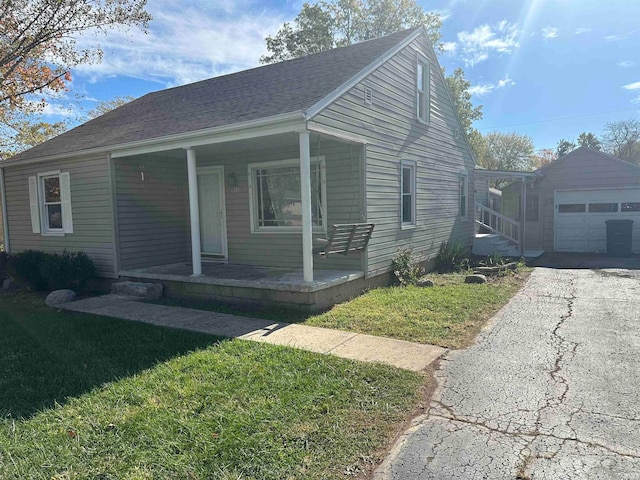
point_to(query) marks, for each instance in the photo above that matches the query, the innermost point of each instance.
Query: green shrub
(4, 258)
(452, 257)
(24, 267)
(69, 270)
(51, 271)
(406, 269)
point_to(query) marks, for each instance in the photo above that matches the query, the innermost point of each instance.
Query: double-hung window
(422, 88)
(464, 193)
(275, 196)
(50, 202)
(408, 194)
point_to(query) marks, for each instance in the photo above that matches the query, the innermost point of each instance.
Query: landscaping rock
(424, 282)
(475, 278)
(59, 296)
(147, 291)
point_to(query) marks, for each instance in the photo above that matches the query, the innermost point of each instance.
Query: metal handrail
(498, 223)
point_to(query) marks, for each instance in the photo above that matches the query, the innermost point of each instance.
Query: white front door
(213, 230)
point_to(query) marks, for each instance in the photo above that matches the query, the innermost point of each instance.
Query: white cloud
(549, 32)
(449, 47)
(632, 86)
(184, 43)
(476, 46)
(581, 30)
(618, 37)
(482, 90)
(58, 110)
(626, 64)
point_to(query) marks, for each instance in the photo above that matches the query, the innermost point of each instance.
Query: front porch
(253, 284)
(238, 220)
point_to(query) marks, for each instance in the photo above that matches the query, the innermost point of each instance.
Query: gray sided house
(221, 188)
(568, 201)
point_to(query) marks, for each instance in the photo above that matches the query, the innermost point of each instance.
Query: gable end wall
(394, 134)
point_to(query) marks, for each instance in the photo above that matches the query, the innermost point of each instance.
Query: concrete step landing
(144, 291)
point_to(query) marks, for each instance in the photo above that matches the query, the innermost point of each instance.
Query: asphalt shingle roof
(293, 85)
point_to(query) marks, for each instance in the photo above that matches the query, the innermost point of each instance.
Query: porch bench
(344, 238)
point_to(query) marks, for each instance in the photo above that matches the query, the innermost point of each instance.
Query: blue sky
(550, 69)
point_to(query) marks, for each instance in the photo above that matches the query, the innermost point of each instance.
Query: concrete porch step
(141, 290)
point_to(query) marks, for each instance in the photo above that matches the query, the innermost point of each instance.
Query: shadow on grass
(47, 356)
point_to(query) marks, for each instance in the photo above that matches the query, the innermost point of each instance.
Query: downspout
(5, 220)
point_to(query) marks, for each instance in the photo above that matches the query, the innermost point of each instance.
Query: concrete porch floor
(247, 276)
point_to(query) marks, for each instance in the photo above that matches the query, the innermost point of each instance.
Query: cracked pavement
(550, 389)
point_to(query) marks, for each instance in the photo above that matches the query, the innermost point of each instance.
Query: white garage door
(580, 217)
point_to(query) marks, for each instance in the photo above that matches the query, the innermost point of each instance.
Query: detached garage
(571, 200)
(581, 215)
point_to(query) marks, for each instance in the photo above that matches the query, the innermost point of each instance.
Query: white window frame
(423, 90)
(463, 215)
(41, 223)
(253, 203)
(412, 166)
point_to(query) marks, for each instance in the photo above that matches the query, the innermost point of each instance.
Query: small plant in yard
(452, 257)
(41, 271)
(4, 258)
(406, 269)
(68, 270)
(25, 268)
(495, 260)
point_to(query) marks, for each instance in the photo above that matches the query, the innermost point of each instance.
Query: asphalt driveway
(551, 389)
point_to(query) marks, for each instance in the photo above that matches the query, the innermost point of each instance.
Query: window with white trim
(464, 193)
(276, 201)
(422, 88)
(408, 194)
(50, 202)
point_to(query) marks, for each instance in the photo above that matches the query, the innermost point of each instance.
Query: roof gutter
(281, 123)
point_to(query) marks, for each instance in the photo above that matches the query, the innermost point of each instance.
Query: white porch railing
(495, 222)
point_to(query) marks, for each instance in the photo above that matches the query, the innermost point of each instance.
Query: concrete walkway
(355, 346)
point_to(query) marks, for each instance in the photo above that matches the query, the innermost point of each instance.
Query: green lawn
(450, 314)
(85, 397)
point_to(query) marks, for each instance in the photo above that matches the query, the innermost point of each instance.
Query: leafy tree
(622, 139)
(478, 145)
(589, 140)
(37, 44)
(108, 105)
(507, 151)
(564, 147)
(327, 24)
(20, 132)
(544, 157)
(459, 89)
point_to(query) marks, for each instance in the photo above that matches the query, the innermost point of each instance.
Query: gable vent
(368, 96)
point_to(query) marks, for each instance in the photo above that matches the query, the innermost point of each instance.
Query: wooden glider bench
(344, 238)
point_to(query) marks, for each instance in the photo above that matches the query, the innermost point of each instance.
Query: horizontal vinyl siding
(91, 209)
(393, 135)
(153, 214)
(584, 169)
(285, 249)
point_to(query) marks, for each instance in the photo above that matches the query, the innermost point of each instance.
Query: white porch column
(305, 190)
(194, 213)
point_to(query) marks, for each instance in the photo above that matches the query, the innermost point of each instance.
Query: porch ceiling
(289, 140)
